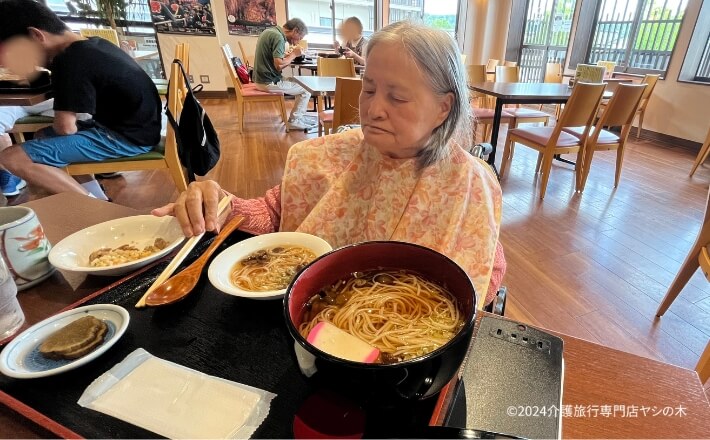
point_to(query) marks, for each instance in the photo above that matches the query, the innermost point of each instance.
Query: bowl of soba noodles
(262, 267)
(381, 321)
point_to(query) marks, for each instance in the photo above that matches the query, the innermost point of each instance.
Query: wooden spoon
(179, 286)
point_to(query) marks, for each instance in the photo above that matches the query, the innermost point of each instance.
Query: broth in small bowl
(263, 266)
(414, 307)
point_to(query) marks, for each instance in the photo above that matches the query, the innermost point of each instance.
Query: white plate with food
(63, 342)
(119, 246)
(262, 267)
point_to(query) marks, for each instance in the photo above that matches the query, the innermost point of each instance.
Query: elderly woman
(404, 176)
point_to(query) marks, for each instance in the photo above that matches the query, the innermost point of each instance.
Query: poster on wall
(249, 17)
(185, 17)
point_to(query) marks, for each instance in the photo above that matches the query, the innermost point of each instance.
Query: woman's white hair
(438, 58)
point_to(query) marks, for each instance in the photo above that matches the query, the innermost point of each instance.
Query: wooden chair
(702, 154)
(491, 67)
(650, 81)
(164, 155)
(248, 93)
(609, 66)
(703, 367)
(29, 124)
(347, 106)
(343, 67)
(107, 34)
(248, 60)
(620, 112)
(553, 74)
(510, 63)
(337, 67)
(699, 256)
(548, 141)
(483, 104)
(521, 114)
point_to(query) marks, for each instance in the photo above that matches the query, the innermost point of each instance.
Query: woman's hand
(196, 208)
(349, 53)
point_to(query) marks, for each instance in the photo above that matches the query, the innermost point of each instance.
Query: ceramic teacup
(24, 246)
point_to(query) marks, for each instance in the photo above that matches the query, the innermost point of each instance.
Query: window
(318, 16)
(696, 65)
(639, 35)
(441, 14)
(548, 24)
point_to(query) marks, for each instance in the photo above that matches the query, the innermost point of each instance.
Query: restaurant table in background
(317, 86)
(23, 99)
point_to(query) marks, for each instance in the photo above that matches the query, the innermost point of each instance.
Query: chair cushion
(326, 116)
(541, 135)
(253, 91)
(526, 113)
(485, 113)
(35, 119)
(605, 137)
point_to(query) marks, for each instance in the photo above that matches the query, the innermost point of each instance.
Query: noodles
(398, 312)
(270, 269)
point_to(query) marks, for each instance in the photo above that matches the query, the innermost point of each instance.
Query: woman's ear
(445, 104)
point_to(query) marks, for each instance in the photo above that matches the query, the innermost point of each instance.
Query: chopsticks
(180, 257)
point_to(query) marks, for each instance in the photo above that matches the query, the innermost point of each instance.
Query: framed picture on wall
(186, 17)
(249, 17)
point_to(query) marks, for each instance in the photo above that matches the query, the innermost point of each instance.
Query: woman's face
(398, 110)
(350, 32)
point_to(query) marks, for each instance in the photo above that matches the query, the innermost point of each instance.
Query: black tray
(234, 338)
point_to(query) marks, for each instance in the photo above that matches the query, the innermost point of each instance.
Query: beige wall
(680, 109)
(205, 53)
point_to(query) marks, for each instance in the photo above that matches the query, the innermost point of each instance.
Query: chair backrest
(227, 57)
(107, 34)
(507, 74)
(589, 73)
(621, 109)
(510, 63)
(609, 66)
(245, 58)
(582, 106)
(344, 67)
(491, 65)
(650, 81)
(553, 73)
(177, 90)
(347, 101)
(476, 73)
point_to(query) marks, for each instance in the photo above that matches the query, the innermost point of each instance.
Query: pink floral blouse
(344, 191)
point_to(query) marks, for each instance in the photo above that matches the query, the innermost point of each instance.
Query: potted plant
(110, 11)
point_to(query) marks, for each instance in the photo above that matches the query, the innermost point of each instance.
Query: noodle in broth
(398, 312)
(270, 269)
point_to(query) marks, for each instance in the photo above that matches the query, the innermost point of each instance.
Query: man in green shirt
(271, 58)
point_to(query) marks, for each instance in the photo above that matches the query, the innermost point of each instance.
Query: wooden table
(597, 376)
(518, 93)
(594, 375)
(23, 99)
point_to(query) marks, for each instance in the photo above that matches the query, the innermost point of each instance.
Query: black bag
(197, 141)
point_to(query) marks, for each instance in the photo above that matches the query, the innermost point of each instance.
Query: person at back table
(271, 58)
(354, 43)
(88, 76)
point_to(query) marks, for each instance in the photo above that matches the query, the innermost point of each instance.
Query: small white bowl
(72, 253)
(21, 358)
(220, 270)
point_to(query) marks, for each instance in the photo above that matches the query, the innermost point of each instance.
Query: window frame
(376, 21)
(587, 24)
(692, 61)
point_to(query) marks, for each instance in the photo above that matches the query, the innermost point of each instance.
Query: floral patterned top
(345, 191)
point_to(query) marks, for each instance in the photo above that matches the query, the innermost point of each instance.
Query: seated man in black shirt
(88, 76)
